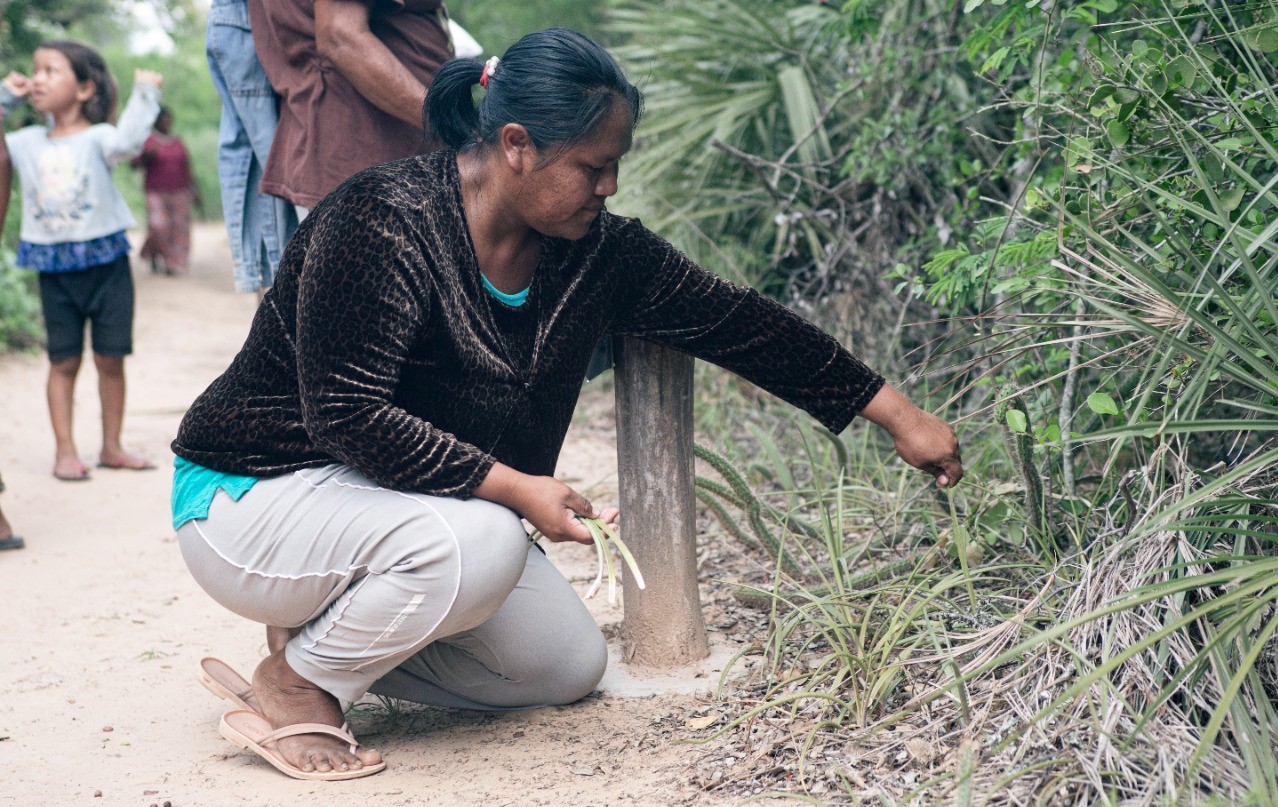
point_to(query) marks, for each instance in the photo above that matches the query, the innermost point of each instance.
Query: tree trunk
(663, 626)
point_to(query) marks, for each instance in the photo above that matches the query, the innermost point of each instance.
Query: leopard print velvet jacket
(378, 348)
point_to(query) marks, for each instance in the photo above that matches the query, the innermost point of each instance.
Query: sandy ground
(104, 626)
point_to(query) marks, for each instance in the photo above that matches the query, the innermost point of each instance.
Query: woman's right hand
(545, 502)
(552, 507)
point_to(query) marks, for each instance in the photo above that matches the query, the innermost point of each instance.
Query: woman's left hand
(920, 438)
(929, 444)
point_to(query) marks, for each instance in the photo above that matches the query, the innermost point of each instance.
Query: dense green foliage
(24, 25)
(1080, 196)
(811, 150)
(19, 307)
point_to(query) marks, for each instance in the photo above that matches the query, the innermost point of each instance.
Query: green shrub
(19, 306)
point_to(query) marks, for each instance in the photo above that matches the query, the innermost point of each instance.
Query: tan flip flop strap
(342, 734)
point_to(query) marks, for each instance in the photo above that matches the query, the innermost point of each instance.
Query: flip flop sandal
(252, 731)
(222, 680)
(13, 542)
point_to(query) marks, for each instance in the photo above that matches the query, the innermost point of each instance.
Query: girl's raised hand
(17, 84)
(151, 77)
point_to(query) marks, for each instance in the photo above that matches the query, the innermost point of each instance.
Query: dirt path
(105, 627)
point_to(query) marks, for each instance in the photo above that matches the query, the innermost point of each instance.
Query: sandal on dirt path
(222, 680)
(252, 731)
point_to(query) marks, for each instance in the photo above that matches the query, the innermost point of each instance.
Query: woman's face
(563, 197)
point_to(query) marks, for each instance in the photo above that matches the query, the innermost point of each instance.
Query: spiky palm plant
(737, 121)
(800, 147)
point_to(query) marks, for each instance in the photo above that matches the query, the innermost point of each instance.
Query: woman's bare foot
(287, 699)
(123, 460)
(70, 469)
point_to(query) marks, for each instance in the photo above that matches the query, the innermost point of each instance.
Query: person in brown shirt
(352, 78)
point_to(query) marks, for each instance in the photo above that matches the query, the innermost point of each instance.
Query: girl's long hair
(88, 65)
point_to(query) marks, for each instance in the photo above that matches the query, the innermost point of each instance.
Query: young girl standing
(73, 228)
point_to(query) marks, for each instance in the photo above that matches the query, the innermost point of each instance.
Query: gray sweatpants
(426, 598)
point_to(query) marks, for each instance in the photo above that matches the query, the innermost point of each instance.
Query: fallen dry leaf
(920, 750)
(698, 723)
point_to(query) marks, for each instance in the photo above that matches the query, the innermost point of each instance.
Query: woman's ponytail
(557, 84)
(450, 105)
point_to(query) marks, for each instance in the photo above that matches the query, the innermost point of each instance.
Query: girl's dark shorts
(101, 296)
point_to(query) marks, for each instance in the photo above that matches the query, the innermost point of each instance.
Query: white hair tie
(490, 67)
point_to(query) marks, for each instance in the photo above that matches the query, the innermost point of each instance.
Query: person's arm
(146, 156)
(13, 91)
(197, 199)
(343, 37)
(6, 175)
(363, 301)
(668, 299)
(548, 504)
(125, 139)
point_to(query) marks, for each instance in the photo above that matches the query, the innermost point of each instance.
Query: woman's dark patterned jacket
(377, 348)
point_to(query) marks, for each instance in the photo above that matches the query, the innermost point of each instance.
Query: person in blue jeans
(258, 225)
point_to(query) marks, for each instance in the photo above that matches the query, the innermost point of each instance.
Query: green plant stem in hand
(601, 543)
(605, 534)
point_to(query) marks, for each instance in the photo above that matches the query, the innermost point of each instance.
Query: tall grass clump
(1163, 208)
(1090, 619)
